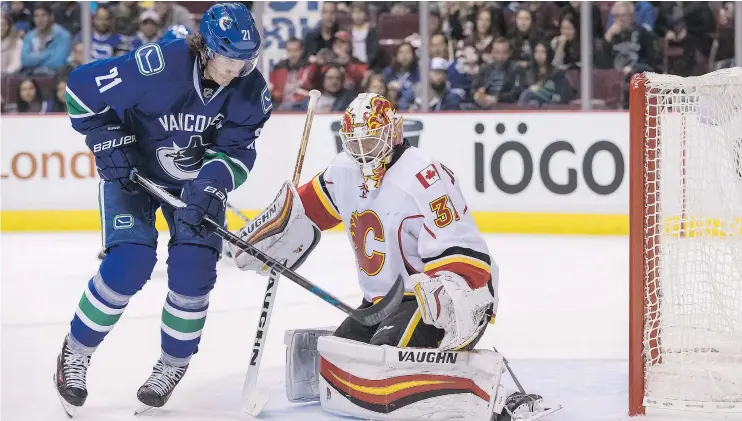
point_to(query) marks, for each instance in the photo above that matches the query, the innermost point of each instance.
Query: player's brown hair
(197, 46)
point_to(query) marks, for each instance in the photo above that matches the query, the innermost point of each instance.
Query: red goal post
(685, 317)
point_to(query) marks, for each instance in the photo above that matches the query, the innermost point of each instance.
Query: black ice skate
(156, 391)
(524, 407)
(72, 368)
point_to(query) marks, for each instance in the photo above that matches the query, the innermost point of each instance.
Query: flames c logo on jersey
(361, 224)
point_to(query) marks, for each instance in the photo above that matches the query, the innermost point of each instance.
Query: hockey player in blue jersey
(186, 113)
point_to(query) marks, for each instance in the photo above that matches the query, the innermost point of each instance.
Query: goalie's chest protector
(383, 225)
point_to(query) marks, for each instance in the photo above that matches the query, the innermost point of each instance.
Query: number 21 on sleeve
(443, 214)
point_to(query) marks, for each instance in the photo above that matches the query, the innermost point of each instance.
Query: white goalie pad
(302, 363)
(389, 383)
(282, 231)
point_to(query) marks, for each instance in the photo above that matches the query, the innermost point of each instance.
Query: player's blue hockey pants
(130, 237)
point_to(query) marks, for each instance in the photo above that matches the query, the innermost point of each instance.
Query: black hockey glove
(115, 155)
(203, 197)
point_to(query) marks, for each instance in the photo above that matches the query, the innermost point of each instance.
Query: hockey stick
(368, 316)
(255, 400)
(238, 212)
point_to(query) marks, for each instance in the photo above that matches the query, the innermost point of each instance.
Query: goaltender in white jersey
(404, 215)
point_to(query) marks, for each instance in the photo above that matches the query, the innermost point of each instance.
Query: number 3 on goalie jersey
(443, 212)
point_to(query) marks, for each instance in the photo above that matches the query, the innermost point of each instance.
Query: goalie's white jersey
(416, 220)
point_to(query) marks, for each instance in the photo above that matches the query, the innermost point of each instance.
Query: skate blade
(68, 408)
(142, 409)
(532, 416)
(255, 403)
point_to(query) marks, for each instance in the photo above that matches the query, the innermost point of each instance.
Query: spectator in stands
(11, 51)
(441, 97)
(462, 71)
(630, 47)
(59, 104)
(322, 36)
(376, 84)
(573, 8)
(459, 18)
(29, 98)
(483, 36)
(404, 71)
(546, 84)
(566, 45)
(334, 96)
(171, 13)
(644, 15)
(439, 46)
(149, 29)
(500, 81)
(45, 49)
(365, 38)
(290, 77)
(75, 60)
(104, 41)
(126, 18)
(523, 36)
(67, 15)
(689, 25)
(546, 16)
(22, 17)
(355, 70)
(723, 47)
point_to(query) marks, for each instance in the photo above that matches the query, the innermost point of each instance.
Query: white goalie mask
(370, 130)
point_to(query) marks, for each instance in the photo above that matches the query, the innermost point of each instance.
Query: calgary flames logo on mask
(373, 118)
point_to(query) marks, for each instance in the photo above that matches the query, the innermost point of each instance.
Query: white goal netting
(693, 242)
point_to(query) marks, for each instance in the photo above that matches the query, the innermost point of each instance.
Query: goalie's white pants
(390, 383)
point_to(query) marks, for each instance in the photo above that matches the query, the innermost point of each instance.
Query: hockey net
(686, 242)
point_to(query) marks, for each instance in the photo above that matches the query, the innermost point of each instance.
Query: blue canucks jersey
(183, 130)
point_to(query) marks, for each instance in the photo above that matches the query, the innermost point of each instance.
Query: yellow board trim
(488, 222)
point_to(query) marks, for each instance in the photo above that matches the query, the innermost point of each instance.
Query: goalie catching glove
(447, 302)
(282, 231)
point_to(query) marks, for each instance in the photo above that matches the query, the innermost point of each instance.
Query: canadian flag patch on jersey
(428, 176)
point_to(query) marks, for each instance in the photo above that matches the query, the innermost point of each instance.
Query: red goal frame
(643, 238)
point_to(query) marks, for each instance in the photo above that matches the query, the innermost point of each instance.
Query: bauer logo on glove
(282, 231)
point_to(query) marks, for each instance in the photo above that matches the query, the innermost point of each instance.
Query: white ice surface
(562, 321)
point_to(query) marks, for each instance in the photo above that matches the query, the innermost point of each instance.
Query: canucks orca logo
(183, 162)
(225, 22)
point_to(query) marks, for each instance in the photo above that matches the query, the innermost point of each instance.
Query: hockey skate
(156, 391)
(525, 407)
(72, 369)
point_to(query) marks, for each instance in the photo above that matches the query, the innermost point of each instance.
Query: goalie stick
(367, 316)
(254, 399)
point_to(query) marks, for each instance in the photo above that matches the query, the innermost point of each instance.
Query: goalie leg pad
(390, 383)
(302, 364)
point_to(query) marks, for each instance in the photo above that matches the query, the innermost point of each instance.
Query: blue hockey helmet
(228, 29)
(176, 32)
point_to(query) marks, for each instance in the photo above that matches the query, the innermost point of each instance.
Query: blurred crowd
(42, 43)
(483, 55)
(498, 55)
